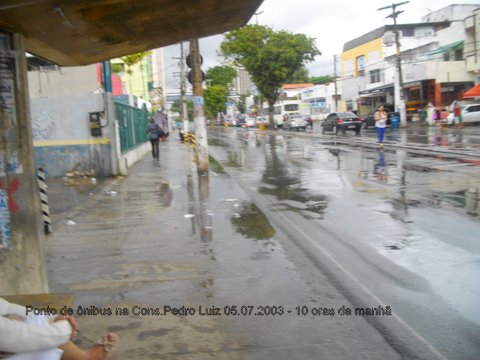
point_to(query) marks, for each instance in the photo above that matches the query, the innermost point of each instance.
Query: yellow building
(137, 78)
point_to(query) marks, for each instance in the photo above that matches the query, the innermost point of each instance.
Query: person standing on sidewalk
(457, 113)
(380, 123)
(154, 133)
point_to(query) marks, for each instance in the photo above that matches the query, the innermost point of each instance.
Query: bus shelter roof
(71, 33)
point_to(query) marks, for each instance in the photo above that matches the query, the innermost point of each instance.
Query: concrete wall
(62, 139)
(449, 71)
(63, 81)
(450, 12)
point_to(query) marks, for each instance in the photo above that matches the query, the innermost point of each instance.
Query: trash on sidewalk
(188, 216)
(71, 222)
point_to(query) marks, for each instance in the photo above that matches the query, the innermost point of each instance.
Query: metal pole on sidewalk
(183, 100)
(42, 185)
(200, 130)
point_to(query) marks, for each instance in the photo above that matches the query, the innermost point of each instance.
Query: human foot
(105, 345)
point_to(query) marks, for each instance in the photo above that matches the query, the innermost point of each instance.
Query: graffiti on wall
(10, 164)
(7, 99)
(43, 126)
(7, 205)
(5, 234)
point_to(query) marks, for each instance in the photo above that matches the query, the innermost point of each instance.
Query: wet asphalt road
(292, 229)
(397, 227)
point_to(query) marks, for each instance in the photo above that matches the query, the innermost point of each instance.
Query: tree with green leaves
(219, 79)
(242, 104)
(320, 80)
(300, 76)
(220, 75)
(270, 57)
(215, 97)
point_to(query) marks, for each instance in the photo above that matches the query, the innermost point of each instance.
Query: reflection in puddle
(233, 160)
(165, 194)
(286, 187)
(298, 199)
(215, 165)
(252, 223)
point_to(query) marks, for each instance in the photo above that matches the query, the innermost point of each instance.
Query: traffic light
(190, 73)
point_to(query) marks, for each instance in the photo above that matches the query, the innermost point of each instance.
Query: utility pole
(183, 100)
(198, 114)
(399, 80)
(335, 80)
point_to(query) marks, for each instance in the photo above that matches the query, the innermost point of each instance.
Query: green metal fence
(132, 124)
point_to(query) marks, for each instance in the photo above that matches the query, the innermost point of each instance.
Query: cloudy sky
(330, 22)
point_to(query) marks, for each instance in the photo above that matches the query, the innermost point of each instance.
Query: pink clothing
(17, 336)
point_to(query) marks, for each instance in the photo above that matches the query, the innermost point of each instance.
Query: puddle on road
(252, 223)
(215, 165)
(217, 142)
(233, 160)
(296, 199)
(165, 194)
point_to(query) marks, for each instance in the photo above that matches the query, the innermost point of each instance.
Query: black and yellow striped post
(191, 140)
(42, 185)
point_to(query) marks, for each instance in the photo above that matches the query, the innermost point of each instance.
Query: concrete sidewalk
(166, 238)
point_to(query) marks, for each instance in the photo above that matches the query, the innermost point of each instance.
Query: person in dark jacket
(154, 134)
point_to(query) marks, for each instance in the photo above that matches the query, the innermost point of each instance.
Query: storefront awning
(378, 91)
(473, 92)
(449, 47)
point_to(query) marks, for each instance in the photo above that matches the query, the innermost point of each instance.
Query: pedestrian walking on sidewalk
(154, 133)
(380, 123)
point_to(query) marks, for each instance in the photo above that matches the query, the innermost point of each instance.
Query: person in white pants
(41, 337)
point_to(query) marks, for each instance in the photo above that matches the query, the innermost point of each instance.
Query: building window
(458, 54)
(374, 76)
(407, 32)
(360, 63)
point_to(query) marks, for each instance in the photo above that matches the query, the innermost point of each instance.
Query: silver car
(294, 121)
(470, 113)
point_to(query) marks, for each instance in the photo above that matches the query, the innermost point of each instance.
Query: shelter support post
(22, 266)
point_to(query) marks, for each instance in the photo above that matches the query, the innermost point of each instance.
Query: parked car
(295, 121)
(238, 122)
(470, 113)
(369, 120)
(341, 121)
(249, 122)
